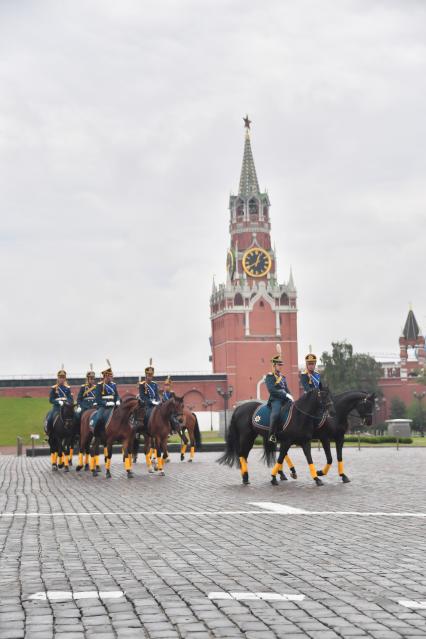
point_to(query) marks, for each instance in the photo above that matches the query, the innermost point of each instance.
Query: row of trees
(344, 370)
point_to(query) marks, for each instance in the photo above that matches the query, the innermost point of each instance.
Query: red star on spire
(247, 122)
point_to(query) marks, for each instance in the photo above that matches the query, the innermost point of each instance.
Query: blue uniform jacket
(86, 396)
(277, 387)
(148, 393)
(310, 381)
(60, 391)
(106, 393)
(167, 395)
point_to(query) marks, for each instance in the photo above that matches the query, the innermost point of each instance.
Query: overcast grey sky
(121, 137)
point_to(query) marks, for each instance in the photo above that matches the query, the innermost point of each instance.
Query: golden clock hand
(257, 261)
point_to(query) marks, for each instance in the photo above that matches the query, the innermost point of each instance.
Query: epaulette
(54, 386)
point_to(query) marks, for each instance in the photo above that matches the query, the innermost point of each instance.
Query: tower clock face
(230, 263)
(256, 262)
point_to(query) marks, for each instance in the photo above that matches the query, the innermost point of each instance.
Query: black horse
(334, 428)
(299, 430)
(61, 437)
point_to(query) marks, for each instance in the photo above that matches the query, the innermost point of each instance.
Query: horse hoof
(294, 475)
(130, 475)
(54, 467)
(108, 474)
(98, 468)
(190, 460)
(60, 465)
(345, 479)
(78, 468)
(161, 473)
(246, 480)
(94, 473)
(70, 462)
(274, 481)
(182, 457)
(167, 460)
(282, 476)
(150, 470)
(66, 469)
(318, 481)
(320, 473)
(86, 467)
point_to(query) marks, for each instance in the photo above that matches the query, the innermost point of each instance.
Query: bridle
(325, 413)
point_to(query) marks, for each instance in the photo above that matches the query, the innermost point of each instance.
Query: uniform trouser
(100, 417)
(276, 406)
(50, 417)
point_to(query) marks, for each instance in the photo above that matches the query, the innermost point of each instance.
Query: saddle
(93, 422)
(262, 416)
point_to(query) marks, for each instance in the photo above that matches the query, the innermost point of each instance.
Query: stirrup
(273, 438)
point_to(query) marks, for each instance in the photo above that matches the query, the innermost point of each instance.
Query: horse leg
(162, 457)
(108, 460)
(246, 444)
(67, 456)
(291, 467)
(327, 449)
(127, 456)
(339, 452)
(147, 453)
(278, 468)
(60, 454)
(94, 457)
(53, 453)
(307, 451)
(192, 445)
(183, 445)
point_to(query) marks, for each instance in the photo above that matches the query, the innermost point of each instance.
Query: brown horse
(159, 429)
(122, 426)
(189, 422)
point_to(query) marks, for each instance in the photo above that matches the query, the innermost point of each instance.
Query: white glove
(78, 409)
(154, 401)
(110, 404)
(290, 397)
(117, 403)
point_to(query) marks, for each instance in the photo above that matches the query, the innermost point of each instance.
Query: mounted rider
(279, 395)
(149, 395)
(60, 394)
(310, 378)
(169, 394)
(86, 398)
(106, 398)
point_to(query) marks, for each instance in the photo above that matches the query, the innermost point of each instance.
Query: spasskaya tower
(252, 312)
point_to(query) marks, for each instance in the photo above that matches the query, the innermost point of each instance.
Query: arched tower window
(284, 301)
(253, 208)
(238, 300)
(239, 207)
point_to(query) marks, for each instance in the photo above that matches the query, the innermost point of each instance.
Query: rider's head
(167, 384)
(311, 362)
(149, 373)
(276, 362)
(90, 377)
(107, 375)
(62, 376)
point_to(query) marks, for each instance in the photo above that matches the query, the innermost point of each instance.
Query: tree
(398, 409)
(417, 413)
(346, 370)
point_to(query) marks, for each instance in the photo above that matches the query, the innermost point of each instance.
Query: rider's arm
(157, 395)
(52, 396)
(98, 395)
(80, 396)
(304, 380)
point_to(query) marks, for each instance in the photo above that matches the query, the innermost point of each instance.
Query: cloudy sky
(121, 137)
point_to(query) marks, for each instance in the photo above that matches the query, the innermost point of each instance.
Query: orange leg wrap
(313, 471)
(340, 468)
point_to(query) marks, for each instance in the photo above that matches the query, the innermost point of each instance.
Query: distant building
(400, 374)
(252, 312)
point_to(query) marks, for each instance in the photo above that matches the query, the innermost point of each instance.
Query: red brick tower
(252, 312)
(411, 347)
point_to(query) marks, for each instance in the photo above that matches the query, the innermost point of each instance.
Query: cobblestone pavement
(76, 533)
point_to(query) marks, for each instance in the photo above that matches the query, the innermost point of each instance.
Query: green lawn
(21, 417)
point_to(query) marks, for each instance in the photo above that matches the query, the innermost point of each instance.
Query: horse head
(365, 408)
(67, 415)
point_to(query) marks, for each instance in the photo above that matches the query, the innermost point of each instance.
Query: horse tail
(230, 457)
(269, 450)
(197, 434)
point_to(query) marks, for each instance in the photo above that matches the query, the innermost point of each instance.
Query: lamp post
(226, 394)
(419, 397)
(208, 403)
